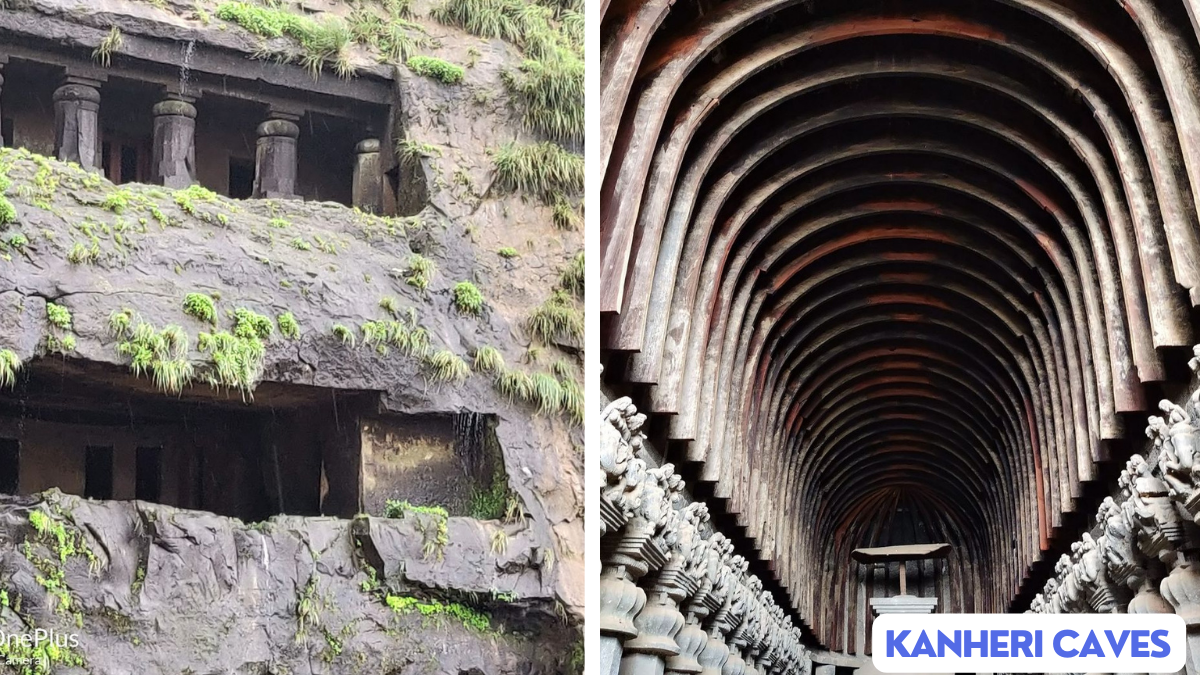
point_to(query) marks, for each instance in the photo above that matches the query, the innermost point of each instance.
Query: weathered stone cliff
(148, 588)
(173, 591)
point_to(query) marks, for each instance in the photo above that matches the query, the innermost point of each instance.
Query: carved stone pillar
(1181, 588)
(762, 662)
(367, 191)
(77, 122)
(734, 664)
(621, 600)
(658, 624)
(742, 640)
(276, 158)
(715, 652)
(1148, 601)
(701, 564)
(692, 639)
(174, 158)
(1103, 596)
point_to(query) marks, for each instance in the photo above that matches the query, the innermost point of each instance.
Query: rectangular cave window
(6, 132)
(241, 178)
(10, 466)
(148, 475)
(98, 472)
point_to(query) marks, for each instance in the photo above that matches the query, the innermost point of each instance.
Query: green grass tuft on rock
(551, 92)
(467, 298)
(573, 276)
(10, 364)
(544, 170)
(445, 366)
(488, 359)
(161, 353)
(556, 319)
(288, 326)
(58, 316)
(420, 272)
(325, 41)
(434, 609)
(345, 335)
(200, 306)
(436, 69)
(8, 212)
(565, 214)
(549, 84)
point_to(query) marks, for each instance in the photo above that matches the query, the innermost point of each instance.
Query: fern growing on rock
(200, 306)
(467, 298)
(544, 170)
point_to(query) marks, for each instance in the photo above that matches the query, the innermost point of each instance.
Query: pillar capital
(174, 107)
(280, 128)
(78, 89)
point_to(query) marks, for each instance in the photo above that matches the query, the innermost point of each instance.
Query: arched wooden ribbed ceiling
(862, 253)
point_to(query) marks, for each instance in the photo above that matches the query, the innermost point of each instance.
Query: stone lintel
(215, 70)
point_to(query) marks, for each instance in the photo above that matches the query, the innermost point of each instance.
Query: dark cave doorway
(96, 431)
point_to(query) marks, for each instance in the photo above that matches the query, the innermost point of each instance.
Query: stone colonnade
(77, 138)
(1143, 559)
(673, 596)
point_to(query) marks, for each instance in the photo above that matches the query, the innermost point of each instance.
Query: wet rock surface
(172, 591)
(219, 596)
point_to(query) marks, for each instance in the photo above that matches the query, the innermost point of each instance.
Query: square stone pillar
(174, 157)
(276, 157)
(77, 122)
(367, 193)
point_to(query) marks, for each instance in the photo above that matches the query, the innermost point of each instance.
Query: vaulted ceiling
(919, 256)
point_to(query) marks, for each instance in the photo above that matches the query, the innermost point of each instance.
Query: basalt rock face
(171, 591)
(219, 596)
(242, 592)
(231, 250)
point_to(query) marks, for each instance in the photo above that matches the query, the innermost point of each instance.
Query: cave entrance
(96, 431)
